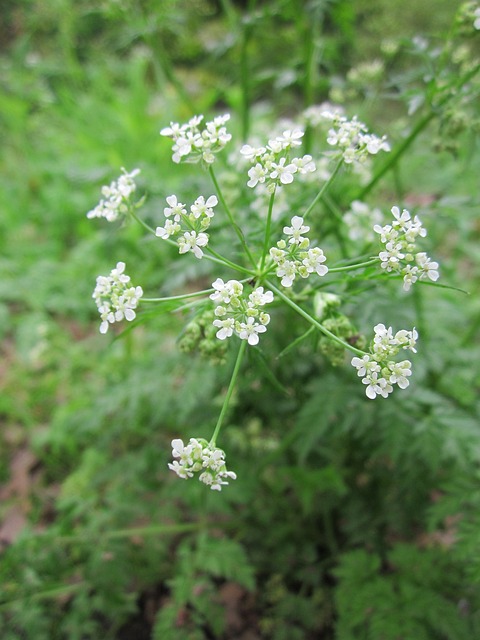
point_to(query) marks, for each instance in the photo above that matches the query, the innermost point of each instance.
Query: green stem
(314, 322)
(237, 229)
(230, 389)
(144, 224)
(268, 228)
(323, 189)
(183, 296)
(359, 265)
(417, 129)
(216, 257)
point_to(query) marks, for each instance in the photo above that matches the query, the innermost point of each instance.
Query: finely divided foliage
(239, 305)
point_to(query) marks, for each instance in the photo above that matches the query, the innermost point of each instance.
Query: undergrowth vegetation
(348, 514)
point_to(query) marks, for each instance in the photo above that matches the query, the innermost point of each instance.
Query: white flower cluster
(360, 220)
(199, 455)
(192, 236)
(295, 257)
(271, 164)
(352, 138)
(193, 144)
(114, 298)
(236, 314)
(116, 196)
(399, 239)
(378, 370)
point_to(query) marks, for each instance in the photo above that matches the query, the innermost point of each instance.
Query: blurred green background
(349, 520)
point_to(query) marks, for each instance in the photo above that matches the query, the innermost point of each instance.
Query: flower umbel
(192, 144)
(400, 254)
(352, 139)
(378, 370)
(116, 197)
(189, 227)
(235, 314)
(114, 297)
(200, 456)
(295, 257)
(272, 165)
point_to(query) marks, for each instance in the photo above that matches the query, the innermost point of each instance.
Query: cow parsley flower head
(378, 369)
(188, 227)
(296, 257)
(400, 253)
(116, 197)
(272, 164)
(200, 456)
(115, 299)
(237, 314)
(191, 143)
(352, 139)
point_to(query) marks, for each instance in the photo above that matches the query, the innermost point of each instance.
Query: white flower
(427, 267)
(236, 315)
(200, 207)
(401, 220)
(293, 259)
(257, 174)
(258, 297)
(296, 230)
(191, 241)
(114, 299)
(282, 172)
(410, 276)
(174, 130)
(374, 144)
(400, 238)
(378, 371)
(377, 386)
(287, 271)
(406, 339)
(176, 209)
(198, 456)
(181, 470)
(313, 262)
(226, 328)
(353, 139)
(116, 199)
(251, 153)
(193, 144)
(304, 165)
(400, 372)
(391, 257)
(249, 331)
(291, 138)
(170, 229)
(225, 291)
(366, 365)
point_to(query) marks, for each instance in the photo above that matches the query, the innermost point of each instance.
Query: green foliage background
(350, 519)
